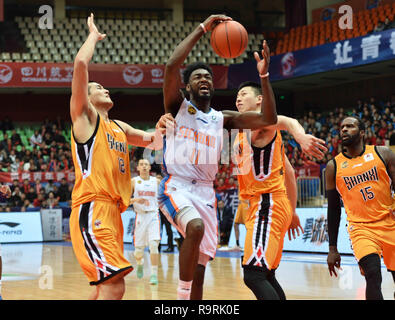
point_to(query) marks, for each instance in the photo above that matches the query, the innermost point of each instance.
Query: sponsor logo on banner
(133, 75)
(5, 73)
(11, 228)
(288, 64)
(157, 75)
(43, 73)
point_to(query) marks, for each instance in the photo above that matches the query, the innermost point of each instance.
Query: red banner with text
(24, 74)
(8, 177)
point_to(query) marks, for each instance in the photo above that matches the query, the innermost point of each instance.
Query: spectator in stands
(31, 194)
(379, 27)
(36, 139)
(220, 185)
(59, 138)
(26, 186)
(225, 222)
(52, 201)
(4, 143)
(39, 201)
(15, 138)
(15, 197)
(232, 184)
(49, 187)
(38, 186)
(63, 191)
(16, 165)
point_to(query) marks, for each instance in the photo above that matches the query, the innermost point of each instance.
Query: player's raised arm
(172, 93)
(334, 212)
(310, 145)
(268, 115)
(79, 104)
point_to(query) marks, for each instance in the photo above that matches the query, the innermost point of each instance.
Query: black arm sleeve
(334, 212)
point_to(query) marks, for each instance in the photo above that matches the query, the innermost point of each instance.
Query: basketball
(229, 39)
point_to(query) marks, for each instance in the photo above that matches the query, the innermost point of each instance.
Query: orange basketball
(229, 39)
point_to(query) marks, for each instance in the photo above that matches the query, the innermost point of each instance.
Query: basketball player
(5, 192)
(191, 153)
(362, 176)
(147, 223)
(102, 187)
(268, 193)
(239, 219)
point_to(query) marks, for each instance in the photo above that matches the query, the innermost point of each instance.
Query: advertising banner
(20, 227)
(33, 176)
(128, 219)
(52, 224)
(372, 48)
(315, 237)
(29, 74)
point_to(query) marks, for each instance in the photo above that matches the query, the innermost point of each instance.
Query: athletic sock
(154, 270)
(184, 290)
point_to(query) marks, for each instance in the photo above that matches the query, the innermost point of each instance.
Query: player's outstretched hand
(312, 146)
(263, 64)
(295, 227)
(93, 28)
(333, 262)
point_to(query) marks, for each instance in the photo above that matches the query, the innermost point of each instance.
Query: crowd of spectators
(379, 119)
(47, 151)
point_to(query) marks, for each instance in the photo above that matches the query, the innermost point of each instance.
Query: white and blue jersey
(190, 158)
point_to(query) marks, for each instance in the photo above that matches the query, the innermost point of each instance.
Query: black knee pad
(371, 266)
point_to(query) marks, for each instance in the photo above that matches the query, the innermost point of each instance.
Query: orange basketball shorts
(267, 222)
(374, 237)
(96, 231)
(242, 211)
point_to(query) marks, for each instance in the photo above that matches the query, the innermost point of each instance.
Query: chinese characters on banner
(28, 74)
(33, 176)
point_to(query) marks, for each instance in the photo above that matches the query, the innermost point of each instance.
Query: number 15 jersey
(364, 186)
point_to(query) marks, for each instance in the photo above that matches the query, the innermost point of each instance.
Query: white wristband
(203, 27)
(264, 75)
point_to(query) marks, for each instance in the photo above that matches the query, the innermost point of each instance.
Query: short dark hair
(255, 86)
(192, 67)
(361, 124)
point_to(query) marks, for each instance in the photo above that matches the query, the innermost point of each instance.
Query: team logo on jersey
(191, 110)
(97, 224)
(139, 181)
(344, 164)
(368, 157)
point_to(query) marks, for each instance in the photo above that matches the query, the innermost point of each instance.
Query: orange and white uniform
(262, 182)
(101, 193)
(365, 188)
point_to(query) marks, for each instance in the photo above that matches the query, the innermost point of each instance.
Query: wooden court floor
(50, 271)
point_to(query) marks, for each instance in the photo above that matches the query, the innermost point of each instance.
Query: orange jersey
(364, 186)
(102, 169)
(260, 170)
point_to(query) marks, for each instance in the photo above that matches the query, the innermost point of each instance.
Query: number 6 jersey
(364, 186)
(102, 169)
